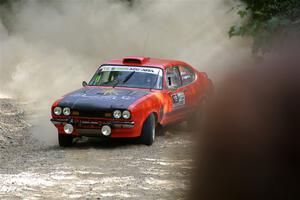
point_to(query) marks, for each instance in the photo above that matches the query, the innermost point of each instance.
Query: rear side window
(187, 75)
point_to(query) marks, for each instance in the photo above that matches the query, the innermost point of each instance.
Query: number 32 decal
(178, 99)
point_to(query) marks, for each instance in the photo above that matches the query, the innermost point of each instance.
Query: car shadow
(103, 143)
(179, 128)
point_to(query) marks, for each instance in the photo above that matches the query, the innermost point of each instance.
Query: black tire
(65, 140)
(148, 131)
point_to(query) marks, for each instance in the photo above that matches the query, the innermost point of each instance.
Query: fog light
(106, 130)
(68, 128)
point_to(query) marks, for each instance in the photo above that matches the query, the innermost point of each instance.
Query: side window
(187, 75)
(173, 78)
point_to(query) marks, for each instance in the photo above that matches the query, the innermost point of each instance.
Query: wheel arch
(155, 117)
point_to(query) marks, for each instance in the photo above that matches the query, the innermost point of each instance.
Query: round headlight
(66, 111)
(117, 114)
(57, 110)
(68, 128)
(126, 114)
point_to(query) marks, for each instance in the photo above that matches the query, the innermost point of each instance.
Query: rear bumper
(92, 127)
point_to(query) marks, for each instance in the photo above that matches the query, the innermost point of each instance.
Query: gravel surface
(13, 127)
(93, 168)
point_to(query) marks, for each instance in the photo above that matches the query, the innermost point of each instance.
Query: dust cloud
(48, 48)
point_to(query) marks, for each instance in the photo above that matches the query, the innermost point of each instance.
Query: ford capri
(131, 98)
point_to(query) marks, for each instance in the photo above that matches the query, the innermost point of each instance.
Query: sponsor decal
(110, 91)
(178, 99)
(186, 77)
(98, 78)
(148, 70)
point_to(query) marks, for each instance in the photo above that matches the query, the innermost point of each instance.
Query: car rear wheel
(148, 130)
(65, 140)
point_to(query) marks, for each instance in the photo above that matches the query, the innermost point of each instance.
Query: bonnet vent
(135, 60)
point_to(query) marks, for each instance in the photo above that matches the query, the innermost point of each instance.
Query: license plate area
(86, 124)
(89, 132)
(90, 123)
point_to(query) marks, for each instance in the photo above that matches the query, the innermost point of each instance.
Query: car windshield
(128, 76)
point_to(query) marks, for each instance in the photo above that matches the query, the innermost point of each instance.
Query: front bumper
(84, 123)
(92, 127)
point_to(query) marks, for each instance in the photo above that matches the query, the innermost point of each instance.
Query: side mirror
(84, 84)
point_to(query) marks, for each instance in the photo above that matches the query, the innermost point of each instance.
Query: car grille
(93, 114)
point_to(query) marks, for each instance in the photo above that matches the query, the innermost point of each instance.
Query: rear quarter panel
(204, 84)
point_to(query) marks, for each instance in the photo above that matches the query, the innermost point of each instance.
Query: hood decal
(110, 91)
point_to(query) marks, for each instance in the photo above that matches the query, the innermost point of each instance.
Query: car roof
(144, 61)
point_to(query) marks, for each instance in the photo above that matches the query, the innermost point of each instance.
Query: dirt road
(92, 169)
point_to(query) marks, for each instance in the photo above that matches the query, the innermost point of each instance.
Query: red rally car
(130, 98)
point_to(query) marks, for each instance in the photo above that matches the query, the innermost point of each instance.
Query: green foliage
(266, 20)
(6, 2)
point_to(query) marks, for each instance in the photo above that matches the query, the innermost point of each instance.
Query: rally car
(130, 98)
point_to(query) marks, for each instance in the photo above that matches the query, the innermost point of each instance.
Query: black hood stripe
(100, 99)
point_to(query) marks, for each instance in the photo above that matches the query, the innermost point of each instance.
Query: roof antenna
(145, 44)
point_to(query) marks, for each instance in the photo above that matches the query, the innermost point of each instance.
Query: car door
(176, 95)
(188, 77)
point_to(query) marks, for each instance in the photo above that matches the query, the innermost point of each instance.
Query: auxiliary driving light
(68, 128)
(106, 130)
(117, 114)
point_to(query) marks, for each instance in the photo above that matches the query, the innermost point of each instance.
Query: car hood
(97, 99)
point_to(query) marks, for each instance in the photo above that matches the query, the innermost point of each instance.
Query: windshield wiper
(128, 77)
(124, 80)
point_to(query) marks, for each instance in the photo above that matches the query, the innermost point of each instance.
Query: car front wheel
(65, 140)
(148, 130)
